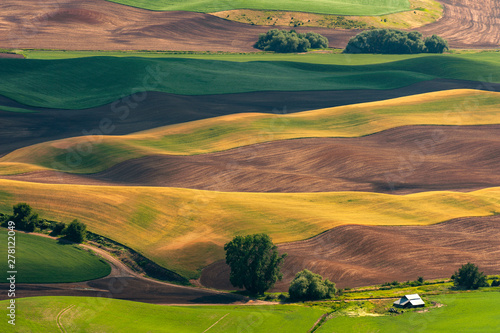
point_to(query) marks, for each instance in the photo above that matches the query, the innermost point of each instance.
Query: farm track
(401, 160)
(356, 255)
(19, 130)
(124, 283)
(100, 25)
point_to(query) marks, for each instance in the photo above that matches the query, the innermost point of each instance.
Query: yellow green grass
(92, 154)
(43, 260)
(185, 230)
(86, 314)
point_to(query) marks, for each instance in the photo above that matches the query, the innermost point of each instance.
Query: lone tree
(309, 286)
(469, 277)
(76, 232)
(254, 261)
(24, 217)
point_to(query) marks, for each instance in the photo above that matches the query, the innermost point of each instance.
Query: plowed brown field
(102, 25)
(355, 255)
(400, 160)
(18, 130)
(468, 23)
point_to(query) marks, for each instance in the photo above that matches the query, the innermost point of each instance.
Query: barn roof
(413, 299)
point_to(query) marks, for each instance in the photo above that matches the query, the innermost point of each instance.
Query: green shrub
(469, 277)
(309, 286)
(390, 41)
(435, 44)
(495, 283)
(76, 232)
(282, 41)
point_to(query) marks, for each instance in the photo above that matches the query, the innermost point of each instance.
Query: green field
(451, 107)
(185, 230)
(464, 312)
(340, 7)
(87, 82)
(41, 314)
(44, 260)
(471, 312)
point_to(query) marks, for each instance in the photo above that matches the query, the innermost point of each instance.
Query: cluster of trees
(255, 265)
(283, 41)
(27, 220)
(390, 41)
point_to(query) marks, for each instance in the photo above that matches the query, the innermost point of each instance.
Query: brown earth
(400, 160)
(102, 25)
(124, 283)
(468, 23)
(18, 130)
(11, 55)
(355, 255)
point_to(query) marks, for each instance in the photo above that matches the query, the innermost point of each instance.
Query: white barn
(409, 301)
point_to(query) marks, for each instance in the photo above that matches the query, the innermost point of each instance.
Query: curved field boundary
(400, 160)
(468, 23)
(128, 116)
(96, 153)
(339, 7)
(184, 230)
(355, 255)
(98, 25)
(88, 82)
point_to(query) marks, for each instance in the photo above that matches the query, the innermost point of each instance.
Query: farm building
(409, 301)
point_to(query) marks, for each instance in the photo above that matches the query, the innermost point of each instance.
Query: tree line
(383, 41)
(27, 220)
(390, 41)
(256, 266)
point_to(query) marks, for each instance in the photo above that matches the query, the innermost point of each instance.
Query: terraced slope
(356, 255)
(184, 230)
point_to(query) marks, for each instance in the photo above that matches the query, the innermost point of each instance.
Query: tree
(76, 232)
(469, 277)
(283, 41)
(309, 286)
(435, 44)
(24, 217)
(390, 41)
(254, 262)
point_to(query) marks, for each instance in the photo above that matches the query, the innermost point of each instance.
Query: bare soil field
(468, 23)
(11, 55)
(354, 255)
(400, 160)
(102, 25)
(18, 130)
